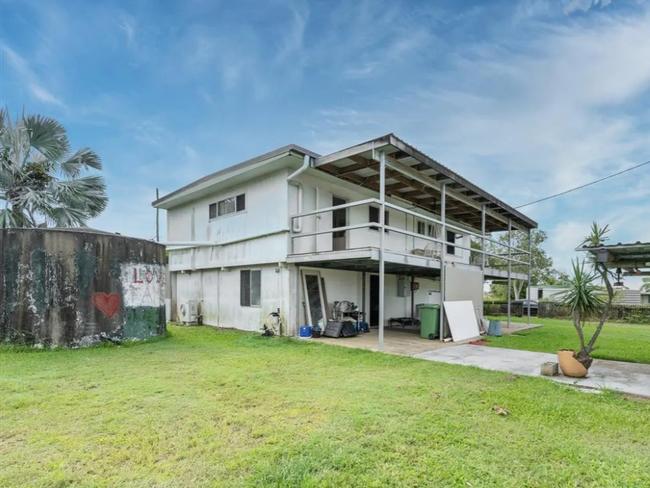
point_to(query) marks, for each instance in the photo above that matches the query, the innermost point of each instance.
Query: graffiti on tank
(107, 303)
(143, 285)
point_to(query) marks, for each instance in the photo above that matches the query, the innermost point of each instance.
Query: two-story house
(379, 224)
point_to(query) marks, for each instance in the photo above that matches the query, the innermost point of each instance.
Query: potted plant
(584, 297)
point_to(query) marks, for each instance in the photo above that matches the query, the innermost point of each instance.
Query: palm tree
(585, 298)
(41, 183)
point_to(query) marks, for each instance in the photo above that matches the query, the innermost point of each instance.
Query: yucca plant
(586, 298)
(41, 182)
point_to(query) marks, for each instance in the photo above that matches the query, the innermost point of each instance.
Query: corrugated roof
(405, 175)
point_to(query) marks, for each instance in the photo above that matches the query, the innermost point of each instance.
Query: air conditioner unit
(189, 311)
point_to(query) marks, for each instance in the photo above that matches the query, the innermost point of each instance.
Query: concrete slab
(406, 341)
(403, 342)
(630, 378)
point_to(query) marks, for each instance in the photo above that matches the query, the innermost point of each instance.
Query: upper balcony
(431, 215)
(339, 237)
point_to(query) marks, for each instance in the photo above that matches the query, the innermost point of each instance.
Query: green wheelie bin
(429, 321)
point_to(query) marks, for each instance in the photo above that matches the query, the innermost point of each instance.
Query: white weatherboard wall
(265, 213)
(318, 192)
(218, 293)
(266, 249)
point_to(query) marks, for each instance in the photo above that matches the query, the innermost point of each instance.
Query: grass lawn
(224, 408)
(621, 342)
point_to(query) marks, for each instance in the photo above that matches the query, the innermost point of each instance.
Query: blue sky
(524, 98)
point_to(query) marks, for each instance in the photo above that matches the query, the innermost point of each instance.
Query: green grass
(224, 408)
(620, 342)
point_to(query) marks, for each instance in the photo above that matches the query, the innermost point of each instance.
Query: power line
(627, 170)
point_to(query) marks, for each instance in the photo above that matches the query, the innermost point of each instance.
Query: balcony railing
(506, 253)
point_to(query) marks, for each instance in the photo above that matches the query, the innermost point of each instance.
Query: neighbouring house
(624, 295)
(548, 293)
(378, 224)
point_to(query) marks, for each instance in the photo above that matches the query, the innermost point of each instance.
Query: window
(241, 202)
(228, 205)
(373, 216)
(250, 287)
(429, 230)
(540, 293)
(451, 237)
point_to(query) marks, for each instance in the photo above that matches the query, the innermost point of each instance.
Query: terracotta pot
(569, 365)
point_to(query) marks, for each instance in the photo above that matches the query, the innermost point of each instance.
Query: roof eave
(165, 201)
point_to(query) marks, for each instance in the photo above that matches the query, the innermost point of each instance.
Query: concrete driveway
(624, 377)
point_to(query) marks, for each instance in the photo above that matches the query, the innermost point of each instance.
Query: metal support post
(443, 259)
(509, 270)
(530, 269)
(483, 237)
(382, 228)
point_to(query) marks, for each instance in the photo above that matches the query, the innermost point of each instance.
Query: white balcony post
(483, 237)
(443, 259)
(530, 266)
(509, 270)
(382, 226)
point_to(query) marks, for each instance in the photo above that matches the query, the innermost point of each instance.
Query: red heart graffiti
(107, 303)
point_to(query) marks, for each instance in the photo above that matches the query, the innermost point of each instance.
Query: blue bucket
(494, 329)
(305, 331)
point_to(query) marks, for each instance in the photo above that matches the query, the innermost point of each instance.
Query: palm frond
(47, 136)
(4, 116)
(82, 159)
(65, 216)
(87, 194)
(11, 218)
(40, 183)
(34, 200)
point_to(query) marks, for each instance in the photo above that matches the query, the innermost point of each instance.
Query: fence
(633, 314)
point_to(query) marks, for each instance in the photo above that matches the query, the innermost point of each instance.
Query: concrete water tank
(72, 287)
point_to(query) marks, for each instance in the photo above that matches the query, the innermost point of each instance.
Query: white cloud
(562, 241)
(28, 78)
(292, 42)
(571, 6)
(127, 25)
